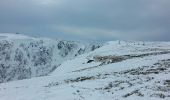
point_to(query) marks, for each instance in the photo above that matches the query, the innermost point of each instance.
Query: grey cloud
(88, 19)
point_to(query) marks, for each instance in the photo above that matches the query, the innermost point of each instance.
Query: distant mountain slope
(116, 71)
(24, 57)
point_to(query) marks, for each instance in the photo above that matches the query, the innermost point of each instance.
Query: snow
(23, 57)
(78, 79)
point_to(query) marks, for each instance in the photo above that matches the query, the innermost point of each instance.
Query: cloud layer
(88, 19)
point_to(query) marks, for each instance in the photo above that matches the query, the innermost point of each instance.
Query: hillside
(23, 57)
(119, 70)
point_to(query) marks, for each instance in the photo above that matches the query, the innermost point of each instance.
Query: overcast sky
(88, 19)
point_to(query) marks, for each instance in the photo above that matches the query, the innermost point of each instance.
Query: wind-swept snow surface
(116, 71)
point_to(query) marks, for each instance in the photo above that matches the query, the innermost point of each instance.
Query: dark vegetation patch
(80, 79)
(167, 83)
(160, 95)
(89, 61)
(136, 92)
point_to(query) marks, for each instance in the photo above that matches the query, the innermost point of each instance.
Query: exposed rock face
(32, 57)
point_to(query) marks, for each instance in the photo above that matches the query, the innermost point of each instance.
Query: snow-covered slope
(23, 57)
(116, 71)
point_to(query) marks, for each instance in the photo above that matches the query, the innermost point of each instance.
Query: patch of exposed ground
(114, 59)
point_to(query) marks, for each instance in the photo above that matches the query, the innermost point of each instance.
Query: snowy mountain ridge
(23, 57)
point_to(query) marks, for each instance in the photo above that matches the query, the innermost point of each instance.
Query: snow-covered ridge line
(14, 36)
(23, 57)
